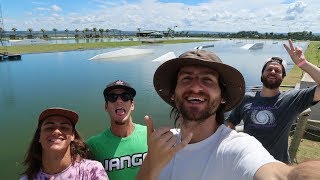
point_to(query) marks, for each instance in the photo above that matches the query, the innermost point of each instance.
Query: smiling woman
(58, 151)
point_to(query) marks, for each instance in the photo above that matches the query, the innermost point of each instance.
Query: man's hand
(295, 53)
(162, 144)
(162, 147)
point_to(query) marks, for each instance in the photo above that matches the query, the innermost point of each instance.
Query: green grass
(309, 145)
(25, 49)
(308, 150)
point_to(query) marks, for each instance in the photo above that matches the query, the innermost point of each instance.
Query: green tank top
(121, 157)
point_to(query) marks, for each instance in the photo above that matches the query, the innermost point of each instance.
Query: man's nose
(56, 131)
(195, 85)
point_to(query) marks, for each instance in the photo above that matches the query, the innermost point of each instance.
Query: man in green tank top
(122, 147)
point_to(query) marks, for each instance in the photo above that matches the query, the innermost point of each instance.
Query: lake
(70, 80)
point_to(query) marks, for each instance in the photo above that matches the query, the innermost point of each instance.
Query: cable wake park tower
(4, 43)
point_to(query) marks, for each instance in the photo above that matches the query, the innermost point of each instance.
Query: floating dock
(10, 57)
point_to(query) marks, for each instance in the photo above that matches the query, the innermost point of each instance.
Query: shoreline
(48, 48)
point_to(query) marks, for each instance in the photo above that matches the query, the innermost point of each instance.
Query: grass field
(25, 49)
(309, 145)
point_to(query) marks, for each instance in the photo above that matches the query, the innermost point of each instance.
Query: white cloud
(56, 8)
(227, 15)
(297, 7)
(42, 9)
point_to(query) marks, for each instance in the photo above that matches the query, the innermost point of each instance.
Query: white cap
(277, 59)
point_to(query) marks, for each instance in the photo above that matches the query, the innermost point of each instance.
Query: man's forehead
(274, 64)
(198, 70)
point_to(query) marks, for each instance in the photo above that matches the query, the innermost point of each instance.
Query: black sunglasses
(112, 97)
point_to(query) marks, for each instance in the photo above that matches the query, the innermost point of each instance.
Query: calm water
(69, 79)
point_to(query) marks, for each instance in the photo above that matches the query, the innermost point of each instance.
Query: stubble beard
(271, 85)
(195, 114)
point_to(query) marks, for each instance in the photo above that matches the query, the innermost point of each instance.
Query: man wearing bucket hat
(57, 150)
(122, 147)
(269, 114)
(200, 88)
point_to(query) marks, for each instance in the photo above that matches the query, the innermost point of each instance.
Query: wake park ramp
(252, 46)
(125, 52)
(165, 57)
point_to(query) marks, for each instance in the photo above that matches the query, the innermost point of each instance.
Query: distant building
(150, 33)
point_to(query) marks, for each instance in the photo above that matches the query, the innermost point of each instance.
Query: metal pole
(298, 133)
(318, 56)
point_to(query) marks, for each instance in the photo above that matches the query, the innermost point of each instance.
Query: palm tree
(139, 29)
(101, 31)
(14, 32)
(108, 31)
(43, 30)
(169, 32)
(95, 31)
(30, 31)
(55, 32)
(86, 30)
(1, 32)
(77, 31)
(1, 36)
(67, 30)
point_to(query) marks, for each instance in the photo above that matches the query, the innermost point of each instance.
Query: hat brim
(166, 74)
(71, 115)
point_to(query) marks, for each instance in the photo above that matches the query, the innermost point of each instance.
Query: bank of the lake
(27, 49)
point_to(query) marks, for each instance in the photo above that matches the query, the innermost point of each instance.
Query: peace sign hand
(295, 53)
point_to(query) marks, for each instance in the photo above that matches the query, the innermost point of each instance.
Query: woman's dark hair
(33, 157)
(175, 114)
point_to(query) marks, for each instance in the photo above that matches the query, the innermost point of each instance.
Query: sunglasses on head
(112, 97)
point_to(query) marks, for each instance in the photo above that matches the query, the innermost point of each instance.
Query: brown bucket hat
(57, 111)
(168, 71)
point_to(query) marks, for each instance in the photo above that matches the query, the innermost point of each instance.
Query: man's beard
(196, 114)
(271, 84)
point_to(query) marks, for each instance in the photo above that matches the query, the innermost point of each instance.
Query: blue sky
(184, 15)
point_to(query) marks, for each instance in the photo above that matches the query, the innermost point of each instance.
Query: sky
(181, 15)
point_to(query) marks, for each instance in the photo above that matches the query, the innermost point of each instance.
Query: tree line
(100, 33)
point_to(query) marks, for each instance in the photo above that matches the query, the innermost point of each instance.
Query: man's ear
(172, 97)
(132, 105)
(73, 136)
(105, 105)
(223, 101)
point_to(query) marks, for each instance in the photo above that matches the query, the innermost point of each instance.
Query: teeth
(195, 99)
(55, 139)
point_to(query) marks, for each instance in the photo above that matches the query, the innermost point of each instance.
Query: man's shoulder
(140, 126)
(95, 138)
(251, 94)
